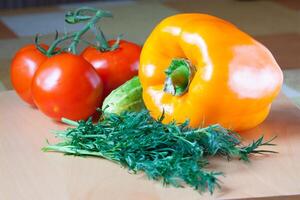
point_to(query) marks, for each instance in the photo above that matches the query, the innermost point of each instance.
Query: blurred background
(275, 23)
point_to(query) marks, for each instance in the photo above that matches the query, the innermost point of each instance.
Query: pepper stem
(179, 75)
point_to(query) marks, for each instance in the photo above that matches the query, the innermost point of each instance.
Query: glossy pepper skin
(236, 77)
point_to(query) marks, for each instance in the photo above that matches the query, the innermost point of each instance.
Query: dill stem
(69, 149)
(69, 122)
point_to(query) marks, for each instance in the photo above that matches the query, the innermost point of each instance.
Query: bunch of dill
(173, 153)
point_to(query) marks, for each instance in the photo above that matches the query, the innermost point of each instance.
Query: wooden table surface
(28, 173)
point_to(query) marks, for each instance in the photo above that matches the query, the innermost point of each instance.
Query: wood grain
(27, 173)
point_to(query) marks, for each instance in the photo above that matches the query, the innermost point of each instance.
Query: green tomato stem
(80, 15)
(93, 16)
(51, 51)
(38, 46)
(84, 14)
(91, 24)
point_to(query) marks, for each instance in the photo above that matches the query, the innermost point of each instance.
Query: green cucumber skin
(127, 97)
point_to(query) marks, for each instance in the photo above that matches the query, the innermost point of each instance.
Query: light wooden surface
(27, 173)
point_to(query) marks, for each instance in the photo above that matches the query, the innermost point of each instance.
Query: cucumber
(127, 97)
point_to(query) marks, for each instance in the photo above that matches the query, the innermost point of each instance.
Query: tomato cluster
(69, 85)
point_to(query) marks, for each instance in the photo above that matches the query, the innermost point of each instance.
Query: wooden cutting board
(28, 173)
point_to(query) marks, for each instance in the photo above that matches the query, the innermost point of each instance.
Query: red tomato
(24, 65)
(114, 67)
(66, 85)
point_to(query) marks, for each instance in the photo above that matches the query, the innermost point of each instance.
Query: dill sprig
(173, 153)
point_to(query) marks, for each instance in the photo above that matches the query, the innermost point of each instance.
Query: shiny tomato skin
(114, 67)
(24, 65)
(66, 85)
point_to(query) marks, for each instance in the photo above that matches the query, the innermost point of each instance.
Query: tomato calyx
(53, 49)
(102, 42)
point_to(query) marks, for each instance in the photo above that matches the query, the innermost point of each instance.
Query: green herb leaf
(172, 153)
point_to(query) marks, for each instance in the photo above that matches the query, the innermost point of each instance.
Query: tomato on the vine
(66, 85)
(23, 67)
(62, 84)
(115, 67)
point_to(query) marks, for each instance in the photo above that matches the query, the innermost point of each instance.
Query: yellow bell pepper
(204, 69)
